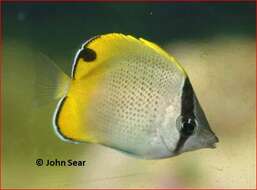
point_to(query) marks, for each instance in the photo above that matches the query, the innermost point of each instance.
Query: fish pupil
(87, 54)
(188, 127)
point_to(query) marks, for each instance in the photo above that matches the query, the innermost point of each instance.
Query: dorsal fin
(97, 50)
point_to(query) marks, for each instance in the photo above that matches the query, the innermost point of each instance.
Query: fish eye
(87, 54)
(188, 126)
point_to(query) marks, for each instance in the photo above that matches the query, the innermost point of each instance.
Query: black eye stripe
(87, 54)
(187, 115)
(187, 109)
(188, 128)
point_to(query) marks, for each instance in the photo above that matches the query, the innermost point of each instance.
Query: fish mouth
(212, 141)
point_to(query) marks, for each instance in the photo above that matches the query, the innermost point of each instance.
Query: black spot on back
(87, 54)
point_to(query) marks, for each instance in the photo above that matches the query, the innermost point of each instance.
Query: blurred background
(215, 42)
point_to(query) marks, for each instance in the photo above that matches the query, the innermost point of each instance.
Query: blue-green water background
(58, 29)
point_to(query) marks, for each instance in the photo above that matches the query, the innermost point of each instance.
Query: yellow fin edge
(164, 53)
(66, 124)
(152, 45)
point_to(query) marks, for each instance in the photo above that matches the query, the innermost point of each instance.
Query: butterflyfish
(130, 95)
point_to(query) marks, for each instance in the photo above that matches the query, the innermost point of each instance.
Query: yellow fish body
(130, 95)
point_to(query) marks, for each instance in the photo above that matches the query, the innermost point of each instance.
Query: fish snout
(208, 137)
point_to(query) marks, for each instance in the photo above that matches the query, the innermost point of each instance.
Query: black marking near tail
(187, 114)
(86, 53)
(56, 120)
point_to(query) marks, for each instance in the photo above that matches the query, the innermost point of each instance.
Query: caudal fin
(50, 83)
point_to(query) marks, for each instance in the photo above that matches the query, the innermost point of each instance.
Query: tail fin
(50, 81)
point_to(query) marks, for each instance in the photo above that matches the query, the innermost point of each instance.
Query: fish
(130, 95)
